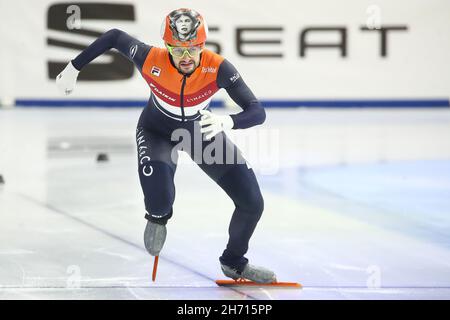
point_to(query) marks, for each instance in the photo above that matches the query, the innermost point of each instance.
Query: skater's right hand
(65, 81)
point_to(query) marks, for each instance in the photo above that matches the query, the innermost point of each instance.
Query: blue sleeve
(133, 49)
(252, 112)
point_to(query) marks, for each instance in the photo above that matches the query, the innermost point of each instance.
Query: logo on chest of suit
(209, 70)
(200, 97)
(160, 93)
(155, 71)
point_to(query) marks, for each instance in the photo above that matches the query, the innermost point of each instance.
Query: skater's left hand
(212, 123)
(66, 80)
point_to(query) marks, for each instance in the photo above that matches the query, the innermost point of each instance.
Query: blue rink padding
(358, 103)
(410, 197)
(89, 103)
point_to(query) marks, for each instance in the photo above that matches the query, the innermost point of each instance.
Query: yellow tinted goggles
(179, 52)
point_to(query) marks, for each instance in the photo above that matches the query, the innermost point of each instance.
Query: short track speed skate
(252, 276)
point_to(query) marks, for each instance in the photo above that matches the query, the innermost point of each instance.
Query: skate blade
(240, 282)
(155, 268)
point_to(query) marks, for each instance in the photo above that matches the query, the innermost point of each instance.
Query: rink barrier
(84, 103)
(363, 103)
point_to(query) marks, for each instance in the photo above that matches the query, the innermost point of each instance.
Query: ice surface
(356, 207)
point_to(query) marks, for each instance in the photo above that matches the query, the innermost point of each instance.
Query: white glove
(212, 123)
(65, 81)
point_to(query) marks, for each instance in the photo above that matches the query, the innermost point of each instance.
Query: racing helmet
(184, 28)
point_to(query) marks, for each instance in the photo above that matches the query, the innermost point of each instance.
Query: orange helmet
(184, 27)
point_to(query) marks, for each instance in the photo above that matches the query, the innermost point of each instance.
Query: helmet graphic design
(184, 27)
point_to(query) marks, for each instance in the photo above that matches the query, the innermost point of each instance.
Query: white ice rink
(357, 206)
